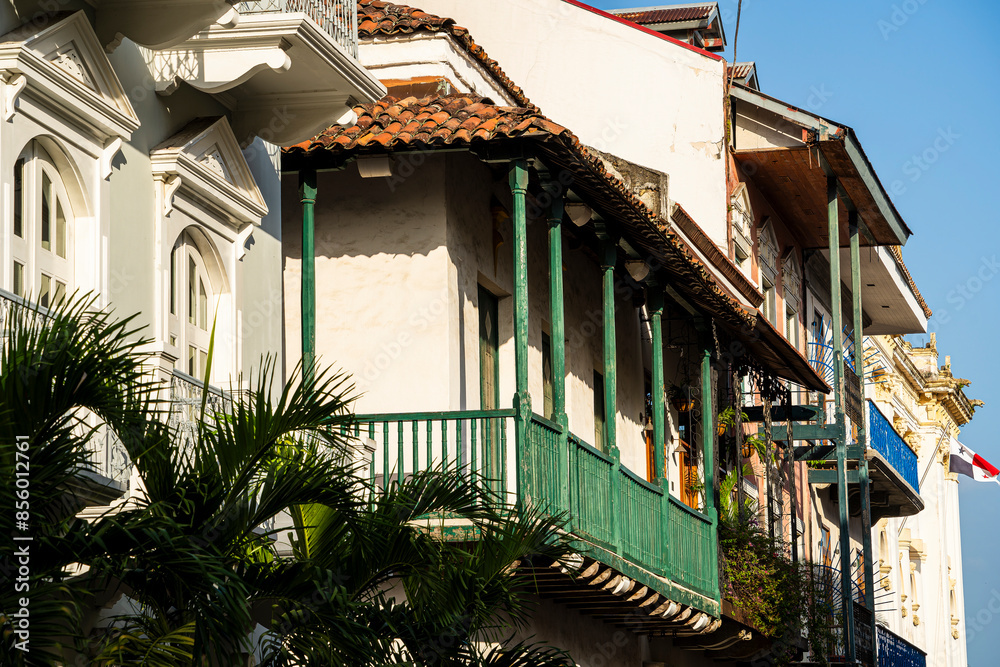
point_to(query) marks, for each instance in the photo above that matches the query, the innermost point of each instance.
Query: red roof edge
(601, 12)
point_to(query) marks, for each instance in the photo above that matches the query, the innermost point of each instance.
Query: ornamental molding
(65, 69)
(204, 165)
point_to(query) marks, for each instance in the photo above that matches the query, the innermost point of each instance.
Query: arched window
(42, 230)
(193, 304)
(742, 218)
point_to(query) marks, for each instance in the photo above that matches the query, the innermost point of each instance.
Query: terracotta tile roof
(473, 121)
(740, 70)
(667, 14)
(392, 124)
(377, 17)
(897, 252)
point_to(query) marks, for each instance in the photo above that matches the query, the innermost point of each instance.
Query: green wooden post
(558, 339)
(863, 476)
(708, 453)
(522, 400)
(610, 346)
(833, 230)
(307, 191)
(659, 440)
(611, 388)
(659, 424)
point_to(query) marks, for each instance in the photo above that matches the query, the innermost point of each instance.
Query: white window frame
(792, 325)
(42, 250)
(193, 307)
(742, 220)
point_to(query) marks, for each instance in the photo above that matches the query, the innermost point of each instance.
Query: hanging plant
(680, 398)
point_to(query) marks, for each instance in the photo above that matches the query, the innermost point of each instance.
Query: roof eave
(828, 130)
(874, 185)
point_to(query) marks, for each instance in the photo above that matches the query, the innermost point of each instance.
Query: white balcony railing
(108, 456)
(339, 18)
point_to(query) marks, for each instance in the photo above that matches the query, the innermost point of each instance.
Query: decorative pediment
(65, 65)
(203, 163)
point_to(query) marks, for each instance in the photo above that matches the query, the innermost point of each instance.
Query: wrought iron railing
(894, 651)
(827, 583)
(884, 439)
(339, 18)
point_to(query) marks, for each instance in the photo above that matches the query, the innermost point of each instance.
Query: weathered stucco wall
(382, 295)
(423, 56)
(627, 105)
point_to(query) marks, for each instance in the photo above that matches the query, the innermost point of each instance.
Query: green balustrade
(591, 472)
(542, 488)
(692, 553)
(610, 505)
(474, 442)
(642, 533)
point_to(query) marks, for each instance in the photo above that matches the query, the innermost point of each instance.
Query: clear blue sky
(906, 74)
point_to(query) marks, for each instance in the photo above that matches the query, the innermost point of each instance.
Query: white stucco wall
(382, 296)
(927, 545)
(654, 103)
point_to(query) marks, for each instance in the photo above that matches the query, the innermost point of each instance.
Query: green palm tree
(191, 570)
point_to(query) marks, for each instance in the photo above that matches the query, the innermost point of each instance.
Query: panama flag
(967, 462)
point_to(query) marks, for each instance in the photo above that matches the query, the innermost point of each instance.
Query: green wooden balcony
(619, 518)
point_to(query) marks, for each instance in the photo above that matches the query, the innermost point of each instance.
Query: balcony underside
(90, 489)
(889, 494)
(158, 24)
(605, 593)
(284, 77)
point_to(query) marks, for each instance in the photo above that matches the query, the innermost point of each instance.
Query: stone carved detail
(212, 158)
(68, 58)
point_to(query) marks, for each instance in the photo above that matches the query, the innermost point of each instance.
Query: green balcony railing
(591, 474)
(606, 504)
(644, 538)
(692, 557)
(403, 443)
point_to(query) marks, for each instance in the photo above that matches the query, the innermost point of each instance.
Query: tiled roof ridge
(461, 118)
(897, 252)
(667, 14)
(377, 17)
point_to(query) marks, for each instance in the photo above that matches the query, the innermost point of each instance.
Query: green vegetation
(256, 536)
(775, 595)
